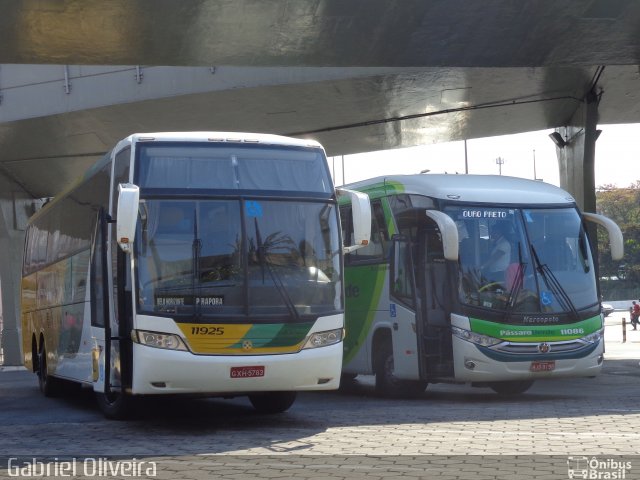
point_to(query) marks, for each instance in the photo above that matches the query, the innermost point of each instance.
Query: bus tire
(272, 402)
(514, 387)
(49, 386)
(114, 405)
(386, 383)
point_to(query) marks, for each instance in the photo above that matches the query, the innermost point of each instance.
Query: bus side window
(402, 271)
(98, 277)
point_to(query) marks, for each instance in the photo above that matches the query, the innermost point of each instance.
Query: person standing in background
(635, 314)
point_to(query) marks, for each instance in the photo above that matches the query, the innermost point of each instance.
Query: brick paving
(453, 431)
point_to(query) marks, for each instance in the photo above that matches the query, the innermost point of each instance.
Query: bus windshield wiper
(554, 285)
(144, 219)
(196, 247)
(582, 245)
(275, 277)
(516, 284)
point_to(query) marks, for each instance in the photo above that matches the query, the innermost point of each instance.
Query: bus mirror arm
(449, 233)
(615, 234)
(361, 217)
(351, 248)
(127, 215)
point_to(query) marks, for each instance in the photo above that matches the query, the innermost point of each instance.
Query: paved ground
(558, 429)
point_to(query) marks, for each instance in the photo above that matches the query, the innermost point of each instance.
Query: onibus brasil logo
(589, 468)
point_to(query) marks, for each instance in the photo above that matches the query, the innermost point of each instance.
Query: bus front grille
(540, 347)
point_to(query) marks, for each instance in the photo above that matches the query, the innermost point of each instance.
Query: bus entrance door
(434, 333)
(404, 312)
(107, 358)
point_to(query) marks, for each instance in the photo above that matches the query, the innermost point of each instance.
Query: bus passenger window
(401, 273)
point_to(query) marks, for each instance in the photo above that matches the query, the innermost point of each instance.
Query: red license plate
(247, 372)
(543, 366)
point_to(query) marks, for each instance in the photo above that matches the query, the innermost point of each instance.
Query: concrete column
(13, 214)
(576, 159)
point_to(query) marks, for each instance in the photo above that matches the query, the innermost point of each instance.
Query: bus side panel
(54, 296)
(366, 306)
(75, 333)
(27, 306)
(59, 318)
(97, 358)
(46, 326)
(74, 349)
(27, 339)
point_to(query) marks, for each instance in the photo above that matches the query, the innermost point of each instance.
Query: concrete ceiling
(461, 33)
(462, 69)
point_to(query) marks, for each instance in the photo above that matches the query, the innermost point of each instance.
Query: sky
(617, 151)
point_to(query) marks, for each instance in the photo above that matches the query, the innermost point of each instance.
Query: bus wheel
(515, 387)
(114, 405)
(49, 386)
(272, 402)
(386, 382)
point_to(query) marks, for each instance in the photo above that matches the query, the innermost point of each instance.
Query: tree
(622, 205)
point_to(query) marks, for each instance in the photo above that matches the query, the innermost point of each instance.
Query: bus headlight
(478, 339)
(159, 340)
(595, 337)
(324, 339)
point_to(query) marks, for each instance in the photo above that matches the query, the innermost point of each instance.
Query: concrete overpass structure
(76, 76)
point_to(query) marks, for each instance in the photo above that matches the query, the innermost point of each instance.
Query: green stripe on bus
(275, 335)
(290, 334)
(536, 333)
(361, 308)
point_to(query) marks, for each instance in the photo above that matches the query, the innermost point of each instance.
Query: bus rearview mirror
(127, 215)
(361, 217)
(616, 240)
(449, 233)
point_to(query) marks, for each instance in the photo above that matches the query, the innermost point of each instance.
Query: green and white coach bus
(487, 280)
(191, 263)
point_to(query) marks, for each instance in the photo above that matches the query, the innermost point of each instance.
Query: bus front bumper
(161, 371)
(472, 365)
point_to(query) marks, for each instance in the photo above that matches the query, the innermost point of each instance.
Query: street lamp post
(466, 160)
(500, 162)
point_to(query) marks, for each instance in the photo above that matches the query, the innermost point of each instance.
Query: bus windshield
(524, 260)
(233, 257)
(191, 166)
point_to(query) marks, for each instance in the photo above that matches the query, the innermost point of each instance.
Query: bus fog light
(160, 340)
(323, 339)
(469, 364)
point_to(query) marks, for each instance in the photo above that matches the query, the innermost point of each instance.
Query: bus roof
(467, 188)
(230, 137)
